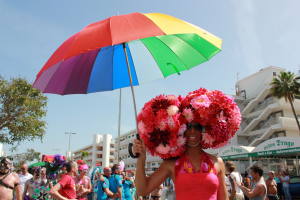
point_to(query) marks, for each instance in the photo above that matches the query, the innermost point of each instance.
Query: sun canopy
(37, 164)
(235, 152)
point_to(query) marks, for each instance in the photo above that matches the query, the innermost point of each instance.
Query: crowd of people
(254, 186)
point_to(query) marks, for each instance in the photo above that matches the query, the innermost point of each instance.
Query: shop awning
(235, 152)
(276, 147)
(37, 164)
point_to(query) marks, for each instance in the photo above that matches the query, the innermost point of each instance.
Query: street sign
(98, 164)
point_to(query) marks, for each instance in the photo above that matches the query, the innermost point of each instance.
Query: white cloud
(247, 35)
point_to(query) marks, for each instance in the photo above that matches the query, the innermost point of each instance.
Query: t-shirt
(127, 186)
(115, 181)
(277, 180)
(101, 185)
(69, 189)
(285, 184)
(23, 180)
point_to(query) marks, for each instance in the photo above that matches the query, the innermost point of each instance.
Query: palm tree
(84, 154)
(286, 84)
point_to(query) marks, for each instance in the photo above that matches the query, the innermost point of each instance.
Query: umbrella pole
(119, 127)
(134, 105)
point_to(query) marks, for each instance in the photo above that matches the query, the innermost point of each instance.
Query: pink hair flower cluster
(158, 125)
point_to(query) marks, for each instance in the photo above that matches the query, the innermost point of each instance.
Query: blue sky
(256, 34)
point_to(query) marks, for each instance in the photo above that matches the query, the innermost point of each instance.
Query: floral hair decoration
(163, 121)
(215, 111)
(159, 127)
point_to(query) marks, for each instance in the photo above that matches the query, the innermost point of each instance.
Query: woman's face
(193, 135)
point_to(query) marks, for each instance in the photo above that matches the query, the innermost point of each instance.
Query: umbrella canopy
(37, 164)
(94, 59)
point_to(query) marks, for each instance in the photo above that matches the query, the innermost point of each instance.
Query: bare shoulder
(168, 164)
(215, 159)
(16, 176)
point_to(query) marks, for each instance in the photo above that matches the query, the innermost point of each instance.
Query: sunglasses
(85, 170)
(197, 127)
(23, 168)
(107, 171)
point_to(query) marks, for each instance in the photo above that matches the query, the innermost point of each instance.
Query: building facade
(101, 151)
(2, 153)
(263, 116)
(152, 163)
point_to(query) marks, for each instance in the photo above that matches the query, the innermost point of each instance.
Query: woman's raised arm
(145, 186)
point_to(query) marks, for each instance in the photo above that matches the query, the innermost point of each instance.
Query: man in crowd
(65, 188)
(258, 190)
(103, 186)
(24, 176)
(32, 184)
(8, 181)
(156, 194)
(116, 182)
(233, 177)
(285, 180)
(271, 187)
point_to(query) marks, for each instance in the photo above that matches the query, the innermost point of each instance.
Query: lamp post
(56, 150)
(69, 139)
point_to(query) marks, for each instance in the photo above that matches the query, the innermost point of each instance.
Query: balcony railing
(263, 126)
(248, 121)
(264, 104)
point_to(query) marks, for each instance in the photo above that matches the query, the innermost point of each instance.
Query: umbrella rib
(132, 63)
(173, 52)
(91, 72)
(72, 73)
(130, 27)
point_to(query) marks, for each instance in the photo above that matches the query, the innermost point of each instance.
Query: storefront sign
(234, 150)
(274, 152)
(246, 155)
(279, 143)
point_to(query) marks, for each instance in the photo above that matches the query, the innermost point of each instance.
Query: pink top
(191, 184)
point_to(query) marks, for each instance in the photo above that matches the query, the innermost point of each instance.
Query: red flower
(157, 137)
(160, 103)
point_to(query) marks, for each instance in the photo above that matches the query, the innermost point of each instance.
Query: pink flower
(142, 127)
(171, 122)
(200, 101)
(162, 125)
(181, 141)
(188, 114)
(207, 138)
(163, 149)
(182, 129)
(171, 110)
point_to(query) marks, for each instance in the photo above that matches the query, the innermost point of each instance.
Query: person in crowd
(32, 184)
(44, 177)
(246, 182)
(103, 186)
(121, 164)
(24, 176)
(9, 182)
(173, 189)
(271, 187)
(115, 182)
(258, 189)
(279, 186)
(83, 181)
(285, 181)
(127, 185)
(65, 188)
(62, 173)
(156, 194)
(19, 171)
(234, 177)
(227, 183)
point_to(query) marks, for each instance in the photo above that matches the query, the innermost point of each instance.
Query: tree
(22, 112)
(84, 154)
(286, 85)
(28, 156)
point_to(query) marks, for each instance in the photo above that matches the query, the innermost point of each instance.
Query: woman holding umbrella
(177, 130)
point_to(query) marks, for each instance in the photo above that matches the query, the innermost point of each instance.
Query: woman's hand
(139, 147)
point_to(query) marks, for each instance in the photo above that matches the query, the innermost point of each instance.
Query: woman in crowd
(177, 130)
(279, 186)
(83, 181)
(246, 182)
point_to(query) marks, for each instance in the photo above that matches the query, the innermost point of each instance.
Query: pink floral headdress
(83, 167)
(162, 121)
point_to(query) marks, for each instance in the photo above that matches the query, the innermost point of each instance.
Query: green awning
(37, 164)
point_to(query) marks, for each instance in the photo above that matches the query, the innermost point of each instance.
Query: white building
(263, 116)
(2, 153)
(101, 151)
(152, 163)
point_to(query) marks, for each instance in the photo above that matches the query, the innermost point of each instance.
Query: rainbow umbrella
(123, 51)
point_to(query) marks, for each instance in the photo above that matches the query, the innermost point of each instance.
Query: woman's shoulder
(215, 159)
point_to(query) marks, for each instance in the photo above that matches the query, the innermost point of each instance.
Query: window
(132, 165)
(153, 164)
(158, 163)
(129, 136)
(128, 156)
(132, 135)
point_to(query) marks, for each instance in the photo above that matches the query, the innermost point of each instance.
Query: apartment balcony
(98, 159)
(129, 160)
(264, 131)
(99, 152)
(123, 152)
(111, 156)
(88, 157)
(152, 159)
(112, 149)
